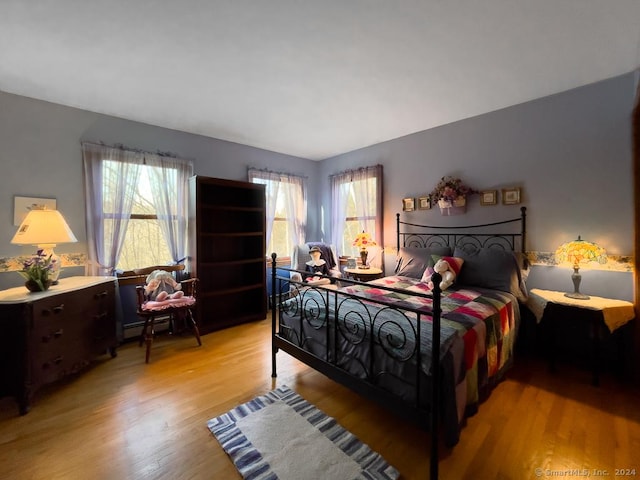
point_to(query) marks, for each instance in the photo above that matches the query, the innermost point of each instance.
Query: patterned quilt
(485, 319)
(376, 332)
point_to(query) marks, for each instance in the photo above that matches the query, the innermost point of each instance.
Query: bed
(376, 337)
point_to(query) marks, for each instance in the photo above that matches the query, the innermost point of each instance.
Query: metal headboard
(468, 237)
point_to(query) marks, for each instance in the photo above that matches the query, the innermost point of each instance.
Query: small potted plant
(36, 272)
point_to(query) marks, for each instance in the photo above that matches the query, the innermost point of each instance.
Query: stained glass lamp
(362, 241)
(575, 253)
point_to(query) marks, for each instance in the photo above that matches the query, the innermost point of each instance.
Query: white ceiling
(310, 78)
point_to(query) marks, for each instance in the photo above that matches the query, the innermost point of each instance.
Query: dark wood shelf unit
(227, 235)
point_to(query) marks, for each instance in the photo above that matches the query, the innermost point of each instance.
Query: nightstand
(596, 317)
(364, 274)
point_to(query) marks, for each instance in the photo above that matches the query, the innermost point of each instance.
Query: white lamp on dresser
(45, 228)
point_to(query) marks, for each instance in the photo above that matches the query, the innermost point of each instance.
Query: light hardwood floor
(122, 419)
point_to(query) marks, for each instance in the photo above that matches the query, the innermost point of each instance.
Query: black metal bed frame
(408, 235)
(463, 236)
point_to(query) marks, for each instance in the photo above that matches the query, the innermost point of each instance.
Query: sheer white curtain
(109, 198)
(291, 189)
(339, 197)
(296, 201)
(170, 191)
(368, 197)
(365, 184)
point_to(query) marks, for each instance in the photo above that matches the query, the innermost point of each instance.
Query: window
(358, 218)
(356, 207)
(136, 208)
(286, 210)
(144, 243)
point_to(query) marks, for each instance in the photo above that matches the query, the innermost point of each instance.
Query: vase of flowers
(451, 195)
(36, 272)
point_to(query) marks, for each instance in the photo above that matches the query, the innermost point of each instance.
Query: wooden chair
(183, 313)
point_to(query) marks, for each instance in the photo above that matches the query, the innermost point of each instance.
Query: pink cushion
(153, 306)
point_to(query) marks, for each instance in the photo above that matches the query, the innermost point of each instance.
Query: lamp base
(363, 259)
(577, 296)
(576, 278)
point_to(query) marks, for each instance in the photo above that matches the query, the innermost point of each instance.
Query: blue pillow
(493, 268)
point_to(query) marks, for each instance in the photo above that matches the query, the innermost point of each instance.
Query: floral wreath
(450, 188)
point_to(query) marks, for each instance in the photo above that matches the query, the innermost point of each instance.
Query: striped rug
(281, 436)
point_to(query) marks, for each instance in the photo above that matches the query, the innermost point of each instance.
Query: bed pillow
(455, 263)
(412, 261)
(496, 269)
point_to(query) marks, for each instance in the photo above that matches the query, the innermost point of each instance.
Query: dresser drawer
(48, 314)
(55, 338)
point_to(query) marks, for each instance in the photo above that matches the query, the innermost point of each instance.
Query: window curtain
(114, 197)
(364, 193)
(339, 197)
(169, 188)
(294, 190)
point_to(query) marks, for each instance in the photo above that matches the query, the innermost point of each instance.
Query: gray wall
(570, 153)
(40, 153)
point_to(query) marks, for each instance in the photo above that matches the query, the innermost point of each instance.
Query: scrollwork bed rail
(395, 335)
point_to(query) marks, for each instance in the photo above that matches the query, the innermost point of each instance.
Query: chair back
(177, 270)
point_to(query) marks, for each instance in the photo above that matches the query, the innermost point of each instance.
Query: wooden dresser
(46, 336)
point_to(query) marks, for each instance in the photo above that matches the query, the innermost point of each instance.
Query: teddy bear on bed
(448, 275)
(162, 286)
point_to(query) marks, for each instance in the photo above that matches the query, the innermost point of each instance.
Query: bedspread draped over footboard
(377, 338)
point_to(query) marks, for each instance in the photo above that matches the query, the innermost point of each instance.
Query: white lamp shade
(43, 227)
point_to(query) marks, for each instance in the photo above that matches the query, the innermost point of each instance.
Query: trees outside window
(144, 243)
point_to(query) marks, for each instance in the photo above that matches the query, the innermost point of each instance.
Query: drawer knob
(53, 310)
(55, 361)
(56, 334)
(101, 294)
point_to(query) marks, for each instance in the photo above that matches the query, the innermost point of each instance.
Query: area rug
(281, 436)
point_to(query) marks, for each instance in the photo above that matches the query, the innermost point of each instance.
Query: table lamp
(579, 252)
(45, 228)
(362, 241)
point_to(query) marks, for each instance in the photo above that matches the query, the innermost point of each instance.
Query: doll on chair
(161, 286)
(316, 267)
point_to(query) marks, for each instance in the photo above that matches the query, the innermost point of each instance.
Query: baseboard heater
(134, 329)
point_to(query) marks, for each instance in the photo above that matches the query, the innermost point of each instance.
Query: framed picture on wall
(408, 204)
(511, 196)
(488, 197)
(22, 205)
(424, 203)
